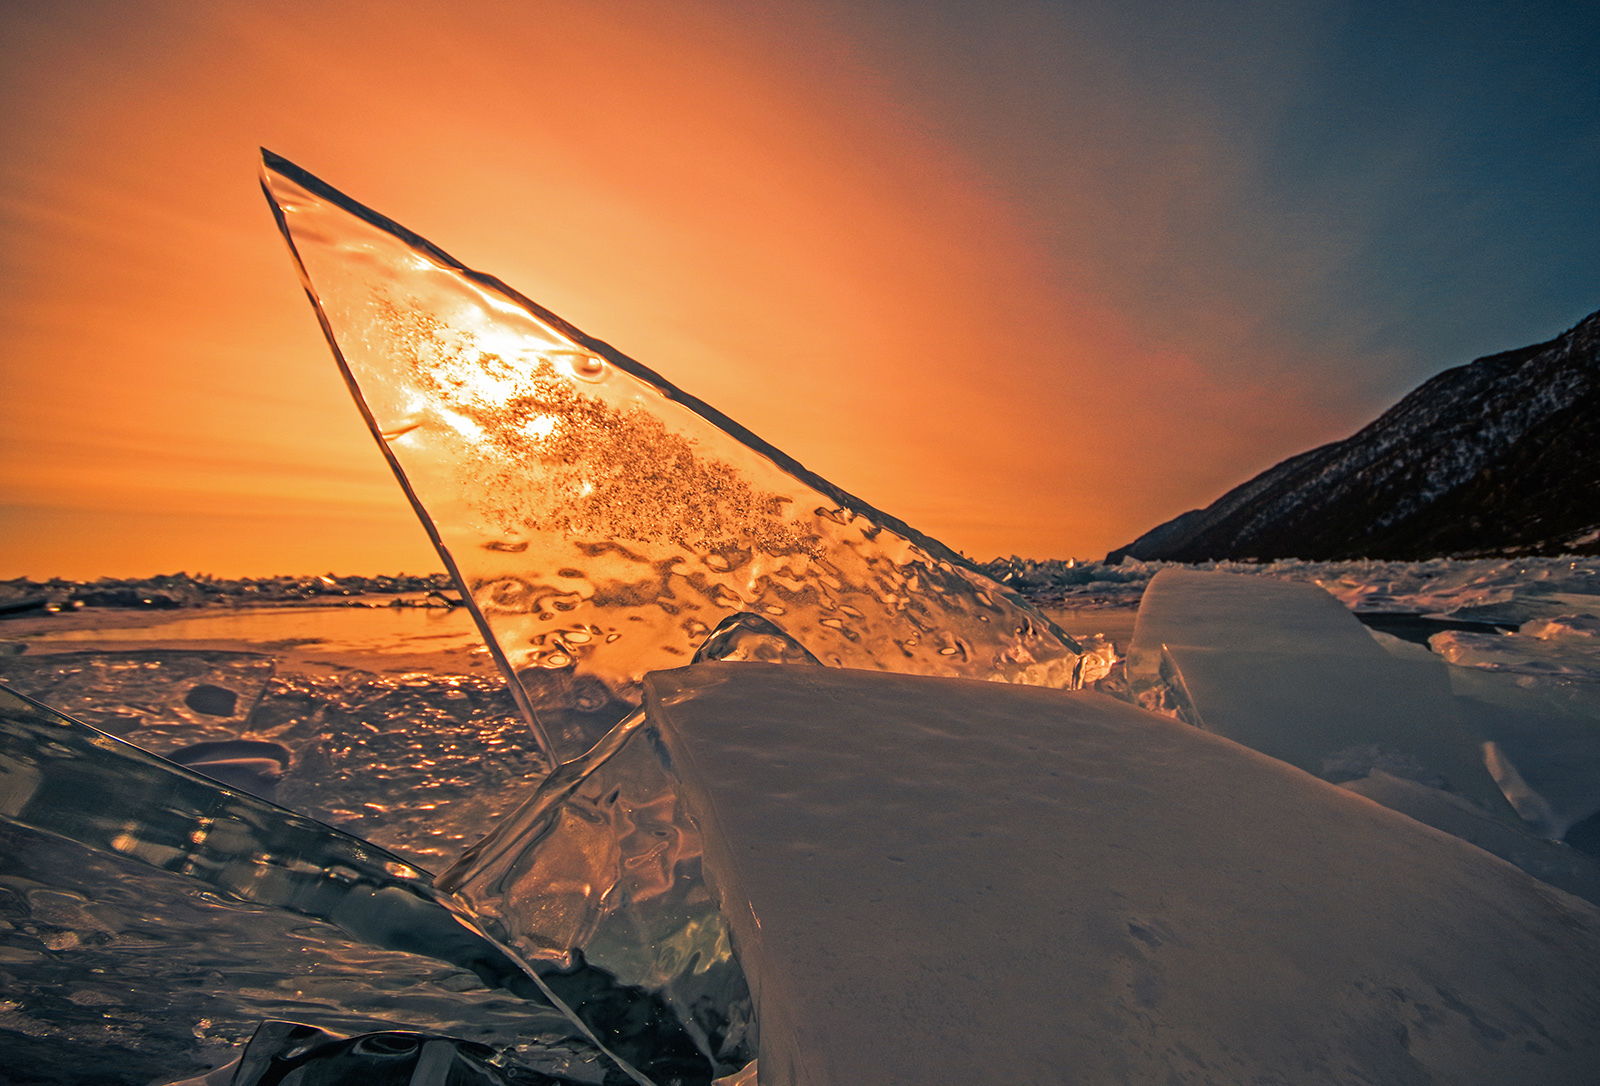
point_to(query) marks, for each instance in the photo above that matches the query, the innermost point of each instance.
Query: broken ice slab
(1285, 669)
(601, 519)
(1540, 600)
(602, 863)
(1575, 658)
(1546, 735)
(603, 866)
(162, 699)
(1541, 734)
(938, 881)
(280, 1052)
(65, 778)
(116, 972)
(1545, 860)
(61, 777)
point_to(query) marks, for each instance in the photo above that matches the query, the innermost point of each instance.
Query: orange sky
(739, 199)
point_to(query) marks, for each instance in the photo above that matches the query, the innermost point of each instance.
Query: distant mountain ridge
(1497, 457)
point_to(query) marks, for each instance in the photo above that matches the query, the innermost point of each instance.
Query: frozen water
(1285, 669)
(1520, 654)
(1439, 586)
(83, 811)
(112, 971)
(932, 881)
(65, 778)
(601, 520)
(602, 864)
(416, 763)
(166, 698)
(420, 757)
(747, 637)
(1546, 730)
(1572, 871)
(281, 1052)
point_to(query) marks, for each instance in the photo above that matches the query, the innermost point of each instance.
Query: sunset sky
(1031, 276)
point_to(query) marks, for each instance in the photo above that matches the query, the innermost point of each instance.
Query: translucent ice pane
(117, 972)
(603, 866)
(937, 881)
(602, 521)
(1546, 729)
(603, 862)
(65, 778)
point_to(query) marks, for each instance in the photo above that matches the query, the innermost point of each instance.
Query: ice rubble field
(141, 973)
(773, 786)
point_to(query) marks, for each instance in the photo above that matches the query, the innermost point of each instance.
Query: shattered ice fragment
(1545, 737)
(65, 778)
(928, 879)
(1546, 861)
(118, 972)
(1562, 626)
(1285, 669)
(284, 1052)
(62, 778)
(602, 520)
(750, 637)
(602, 865)
(1535, 656)
(601, 868)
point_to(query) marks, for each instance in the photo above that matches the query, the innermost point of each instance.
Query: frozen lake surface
(390, 724)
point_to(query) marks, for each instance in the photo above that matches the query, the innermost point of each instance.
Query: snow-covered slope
(1500, 456)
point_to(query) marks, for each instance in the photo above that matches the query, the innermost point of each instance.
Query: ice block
(1546, 729)
(1547, 861)
(940, 881)
(1285, 669)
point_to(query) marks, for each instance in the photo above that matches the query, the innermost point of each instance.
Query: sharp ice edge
(602, 521)
(68, 779)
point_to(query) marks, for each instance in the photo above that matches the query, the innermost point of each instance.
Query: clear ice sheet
(112, 971)
(417, 763)
(604, 863)
(101, 804)
(601, 520)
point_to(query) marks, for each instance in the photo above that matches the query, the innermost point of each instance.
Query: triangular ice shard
(600, 520)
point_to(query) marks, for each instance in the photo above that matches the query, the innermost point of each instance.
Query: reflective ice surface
(603, 861)
(112, 971)
(169, 698)
(603, 520)
(422, 757)
(98, 804)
